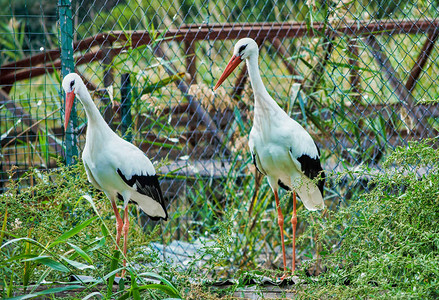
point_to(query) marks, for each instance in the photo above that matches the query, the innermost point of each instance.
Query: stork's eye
(241, 48)
(72, 83)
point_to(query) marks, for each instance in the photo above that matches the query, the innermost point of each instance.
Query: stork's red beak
(233, 63)
(70, 97)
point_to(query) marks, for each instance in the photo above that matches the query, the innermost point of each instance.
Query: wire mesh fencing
(360, 76)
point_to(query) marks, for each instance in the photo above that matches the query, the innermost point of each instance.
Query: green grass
(60, 227)
(386, 243)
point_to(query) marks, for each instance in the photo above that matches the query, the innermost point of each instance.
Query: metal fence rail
(360, 77)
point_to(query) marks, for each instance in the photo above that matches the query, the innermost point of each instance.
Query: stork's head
(72, 85)
(244, 48)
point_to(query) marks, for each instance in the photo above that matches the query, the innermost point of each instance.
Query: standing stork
(113, 165)
(280, 147)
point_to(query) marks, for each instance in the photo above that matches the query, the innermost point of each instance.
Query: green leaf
(112, 274)
(32, 241)
(47, 292)
(20, 257)
(28, 270)
(71, 232)
(164, 280)
(46, 260)
(77, 264)
(5, 219)
(81, 253)
(104, 230)
(154, 286)
(134, 287)
(42, 139)
(161, 287)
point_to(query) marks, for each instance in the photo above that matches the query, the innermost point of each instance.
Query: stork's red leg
(294, 222)
(126, 226)
(119, 223)
(280, 221)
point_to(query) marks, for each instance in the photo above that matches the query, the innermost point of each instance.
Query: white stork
(113, 165)
(281, 148)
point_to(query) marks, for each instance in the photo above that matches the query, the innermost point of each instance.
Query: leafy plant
(53, 231)
(388, 238)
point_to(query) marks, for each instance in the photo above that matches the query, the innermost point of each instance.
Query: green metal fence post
(68, 66)
(125, 95)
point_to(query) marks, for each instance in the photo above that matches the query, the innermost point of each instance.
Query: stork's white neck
(94, 117)
(265, 106)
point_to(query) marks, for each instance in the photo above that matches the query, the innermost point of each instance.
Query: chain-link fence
(358, 75)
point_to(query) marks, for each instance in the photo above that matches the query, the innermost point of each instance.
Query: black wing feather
(312, 168)
(254, 162)
(147, 185)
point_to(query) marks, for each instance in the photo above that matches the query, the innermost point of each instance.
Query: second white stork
(281, 148)
(113, 165)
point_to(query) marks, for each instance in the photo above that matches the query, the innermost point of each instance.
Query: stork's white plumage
(114, 165)
(281, 148)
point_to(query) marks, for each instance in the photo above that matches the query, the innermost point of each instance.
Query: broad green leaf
(72, 232)
(162, 279)
(161, 287)
(81, 253)
(20, 257)
(46, 260)
(77, 264)
(47, 292)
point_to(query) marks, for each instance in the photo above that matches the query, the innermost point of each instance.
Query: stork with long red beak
(281, 148)
(113, 165)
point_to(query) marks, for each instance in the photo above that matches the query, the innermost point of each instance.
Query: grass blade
(32, 241)
(134, 287)
(77, 264)
(2, 234)
(46, 260)
(113, 266)
(47, 292)
(164, 280)
(81, 253)
(27, 265)
(164, 288)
